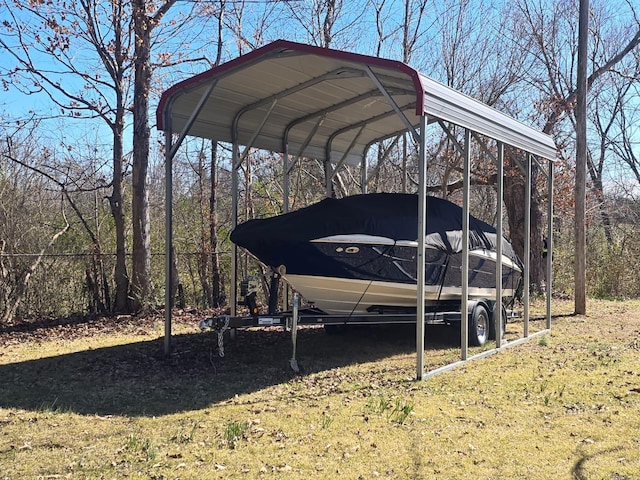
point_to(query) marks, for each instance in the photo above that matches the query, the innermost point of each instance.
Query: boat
(357, 255)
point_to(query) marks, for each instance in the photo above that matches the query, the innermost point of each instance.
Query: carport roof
(318, 100)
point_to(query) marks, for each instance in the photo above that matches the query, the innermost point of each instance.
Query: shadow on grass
(136, 379)
(578, 472)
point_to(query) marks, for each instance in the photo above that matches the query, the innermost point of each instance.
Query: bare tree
(205, 192)
(83, 40)
(613, 105)
(73, 182)
(550, 37)
(410, 30)
(625, 143)
(97, 33)
(146, 17)
(148, 32)
(23, 199)
(328, 23)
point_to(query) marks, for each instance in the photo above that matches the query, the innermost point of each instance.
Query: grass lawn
(96, 399)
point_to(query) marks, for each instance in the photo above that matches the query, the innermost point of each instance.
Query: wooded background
(81, 165)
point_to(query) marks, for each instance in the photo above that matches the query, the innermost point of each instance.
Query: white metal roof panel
(331, 91)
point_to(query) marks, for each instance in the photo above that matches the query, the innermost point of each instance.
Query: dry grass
(108, 405)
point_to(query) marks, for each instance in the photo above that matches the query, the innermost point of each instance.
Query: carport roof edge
(260, 76)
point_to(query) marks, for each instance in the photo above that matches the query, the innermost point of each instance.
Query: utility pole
(581, 162)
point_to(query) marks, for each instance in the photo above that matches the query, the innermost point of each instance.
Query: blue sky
(14, 105)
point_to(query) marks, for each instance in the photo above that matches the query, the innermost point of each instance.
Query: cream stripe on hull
(340, 296)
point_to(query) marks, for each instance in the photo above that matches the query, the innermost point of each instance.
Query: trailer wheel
(492, 326)
(479, 326)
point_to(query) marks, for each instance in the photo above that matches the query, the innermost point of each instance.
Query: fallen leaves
(337, 417)
(82, 326)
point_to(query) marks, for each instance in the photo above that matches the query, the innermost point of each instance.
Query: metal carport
(307, 101)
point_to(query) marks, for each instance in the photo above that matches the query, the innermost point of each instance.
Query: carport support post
(527, 244)
(168, 235)
(286, 189)
(420, 259)
(549, 242)
(497, 318)
(464, 303)
(235, 156)
(170, 152)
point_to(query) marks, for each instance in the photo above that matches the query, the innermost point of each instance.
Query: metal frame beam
(527, 245)
(170, 151)
(499, 212)
(431, 92)
(393, 103)
(420, 257)
(464, 305)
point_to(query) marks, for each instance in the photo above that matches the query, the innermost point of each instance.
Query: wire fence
(80, 283)
(67, 283)
(85, 254)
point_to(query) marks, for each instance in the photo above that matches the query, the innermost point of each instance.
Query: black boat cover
(391, 215)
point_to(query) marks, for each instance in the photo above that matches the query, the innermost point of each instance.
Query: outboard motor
(249, 290)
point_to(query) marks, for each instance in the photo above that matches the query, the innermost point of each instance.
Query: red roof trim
(264, 51)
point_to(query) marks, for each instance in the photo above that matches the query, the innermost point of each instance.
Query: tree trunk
(93, 288)
(177, 292)
(141, 252)
(205, 244)
(121, 277)
(514, 199)
(217, 298)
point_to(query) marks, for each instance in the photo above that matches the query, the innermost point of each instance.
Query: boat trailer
(440, 313)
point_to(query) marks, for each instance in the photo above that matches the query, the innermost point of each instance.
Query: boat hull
(347, 297)
(378, 274)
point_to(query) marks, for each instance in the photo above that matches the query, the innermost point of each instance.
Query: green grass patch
(109, 405)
